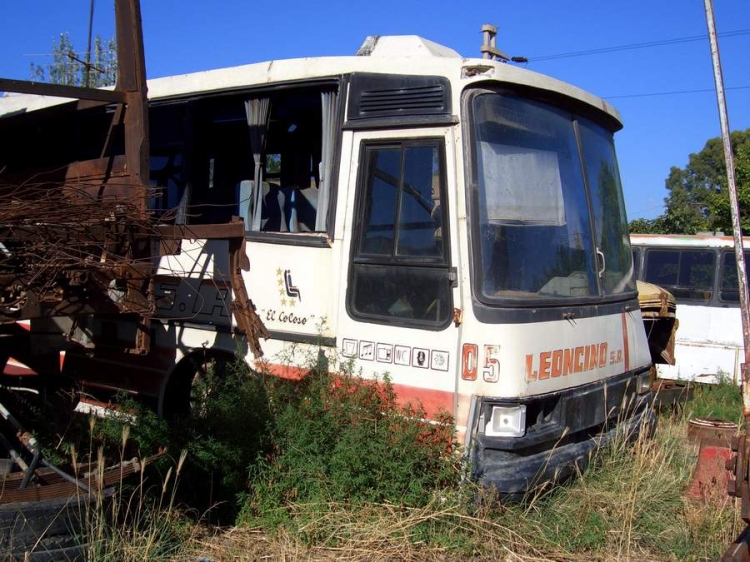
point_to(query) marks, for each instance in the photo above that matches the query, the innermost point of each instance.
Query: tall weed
(136, 521)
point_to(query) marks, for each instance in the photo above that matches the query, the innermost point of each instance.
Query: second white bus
(701, 272)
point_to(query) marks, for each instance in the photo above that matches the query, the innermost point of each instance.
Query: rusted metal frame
(85, 175)
(131, 79)
(117, 118)
(234, 229)
(61, 91)
(243, 308)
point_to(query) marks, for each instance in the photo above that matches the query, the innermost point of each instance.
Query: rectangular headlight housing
(506, 421)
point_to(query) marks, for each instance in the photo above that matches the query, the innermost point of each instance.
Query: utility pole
(739, 464)
(87, 68)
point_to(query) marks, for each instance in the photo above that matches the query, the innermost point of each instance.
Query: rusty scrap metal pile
(66, 251)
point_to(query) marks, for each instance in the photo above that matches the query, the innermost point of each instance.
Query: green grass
(720, 401)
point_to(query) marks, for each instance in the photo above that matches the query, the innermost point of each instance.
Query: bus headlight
(507, 421)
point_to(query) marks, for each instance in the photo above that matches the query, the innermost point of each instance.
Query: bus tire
(193, 382)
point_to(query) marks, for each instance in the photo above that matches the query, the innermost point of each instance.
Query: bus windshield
(548, 214)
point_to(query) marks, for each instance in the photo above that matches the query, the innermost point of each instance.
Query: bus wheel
(194, 384)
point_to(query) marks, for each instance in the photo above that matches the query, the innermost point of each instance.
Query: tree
(648, 226)
(68, 67)
(720, 200)
(698, 197)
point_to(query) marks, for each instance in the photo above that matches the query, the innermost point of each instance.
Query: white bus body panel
(709, 345)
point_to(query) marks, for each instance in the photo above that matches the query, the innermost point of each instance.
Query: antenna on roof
(489, 48)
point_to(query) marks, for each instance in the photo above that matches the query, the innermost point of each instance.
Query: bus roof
(706, 240)
(407, 54)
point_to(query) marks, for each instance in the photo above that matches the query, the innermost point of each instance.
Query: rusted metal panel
(80, 173)
(50, 485)
(79, 237)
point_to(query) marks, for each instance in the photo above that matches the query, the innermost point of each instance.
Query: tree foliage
(68, 66)
(698, 197)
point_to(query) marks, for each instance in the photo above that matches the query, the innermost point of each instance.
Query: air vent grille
(421, 99)
(375, 96)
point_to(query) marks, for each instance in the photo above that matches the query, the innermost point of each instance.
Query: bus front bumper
(518, 474)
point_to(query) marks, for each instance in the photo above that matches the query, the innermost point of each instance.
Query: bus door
(397, 314)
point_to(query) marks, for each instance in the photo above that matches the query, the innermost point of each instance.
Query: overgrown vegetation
(334, 468)
(139, 521)
(346, 441)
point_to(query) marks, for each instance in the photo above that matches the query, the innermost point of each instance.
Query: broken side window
(282, 142)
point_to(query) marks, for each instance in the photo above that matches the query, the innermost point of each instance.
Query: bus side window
(687, 274)
(267, 158)
(400, 269)
(292, 136)
(729, 288)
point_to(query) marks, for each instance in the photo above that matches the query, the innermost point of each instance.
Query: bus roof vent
(390, 46)
(389, 96)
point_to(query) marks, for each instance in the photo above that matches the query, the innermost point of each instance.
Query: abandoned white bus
(456, 223)
(701, 272)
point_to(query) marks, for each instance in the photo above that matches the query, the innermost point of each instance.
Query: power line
(676, 92)
(633, 46)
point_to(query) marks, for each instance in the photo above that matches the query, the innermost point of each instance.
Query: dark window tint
(687, 274)
(410, 293)
(637, 262)
(419, 219)
(380, 202)
(729, 287)
(400, 268)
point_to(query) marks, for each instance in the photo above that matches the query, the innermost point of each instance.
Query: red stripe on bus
(625, 341)
(432, 401)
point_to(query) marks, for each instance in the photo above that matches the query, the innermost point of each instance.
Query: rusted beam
(202, 231)
(131, 80)
(61, 91)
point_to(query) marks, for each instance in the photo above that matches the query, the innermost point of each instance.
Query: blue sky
(660, 130)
